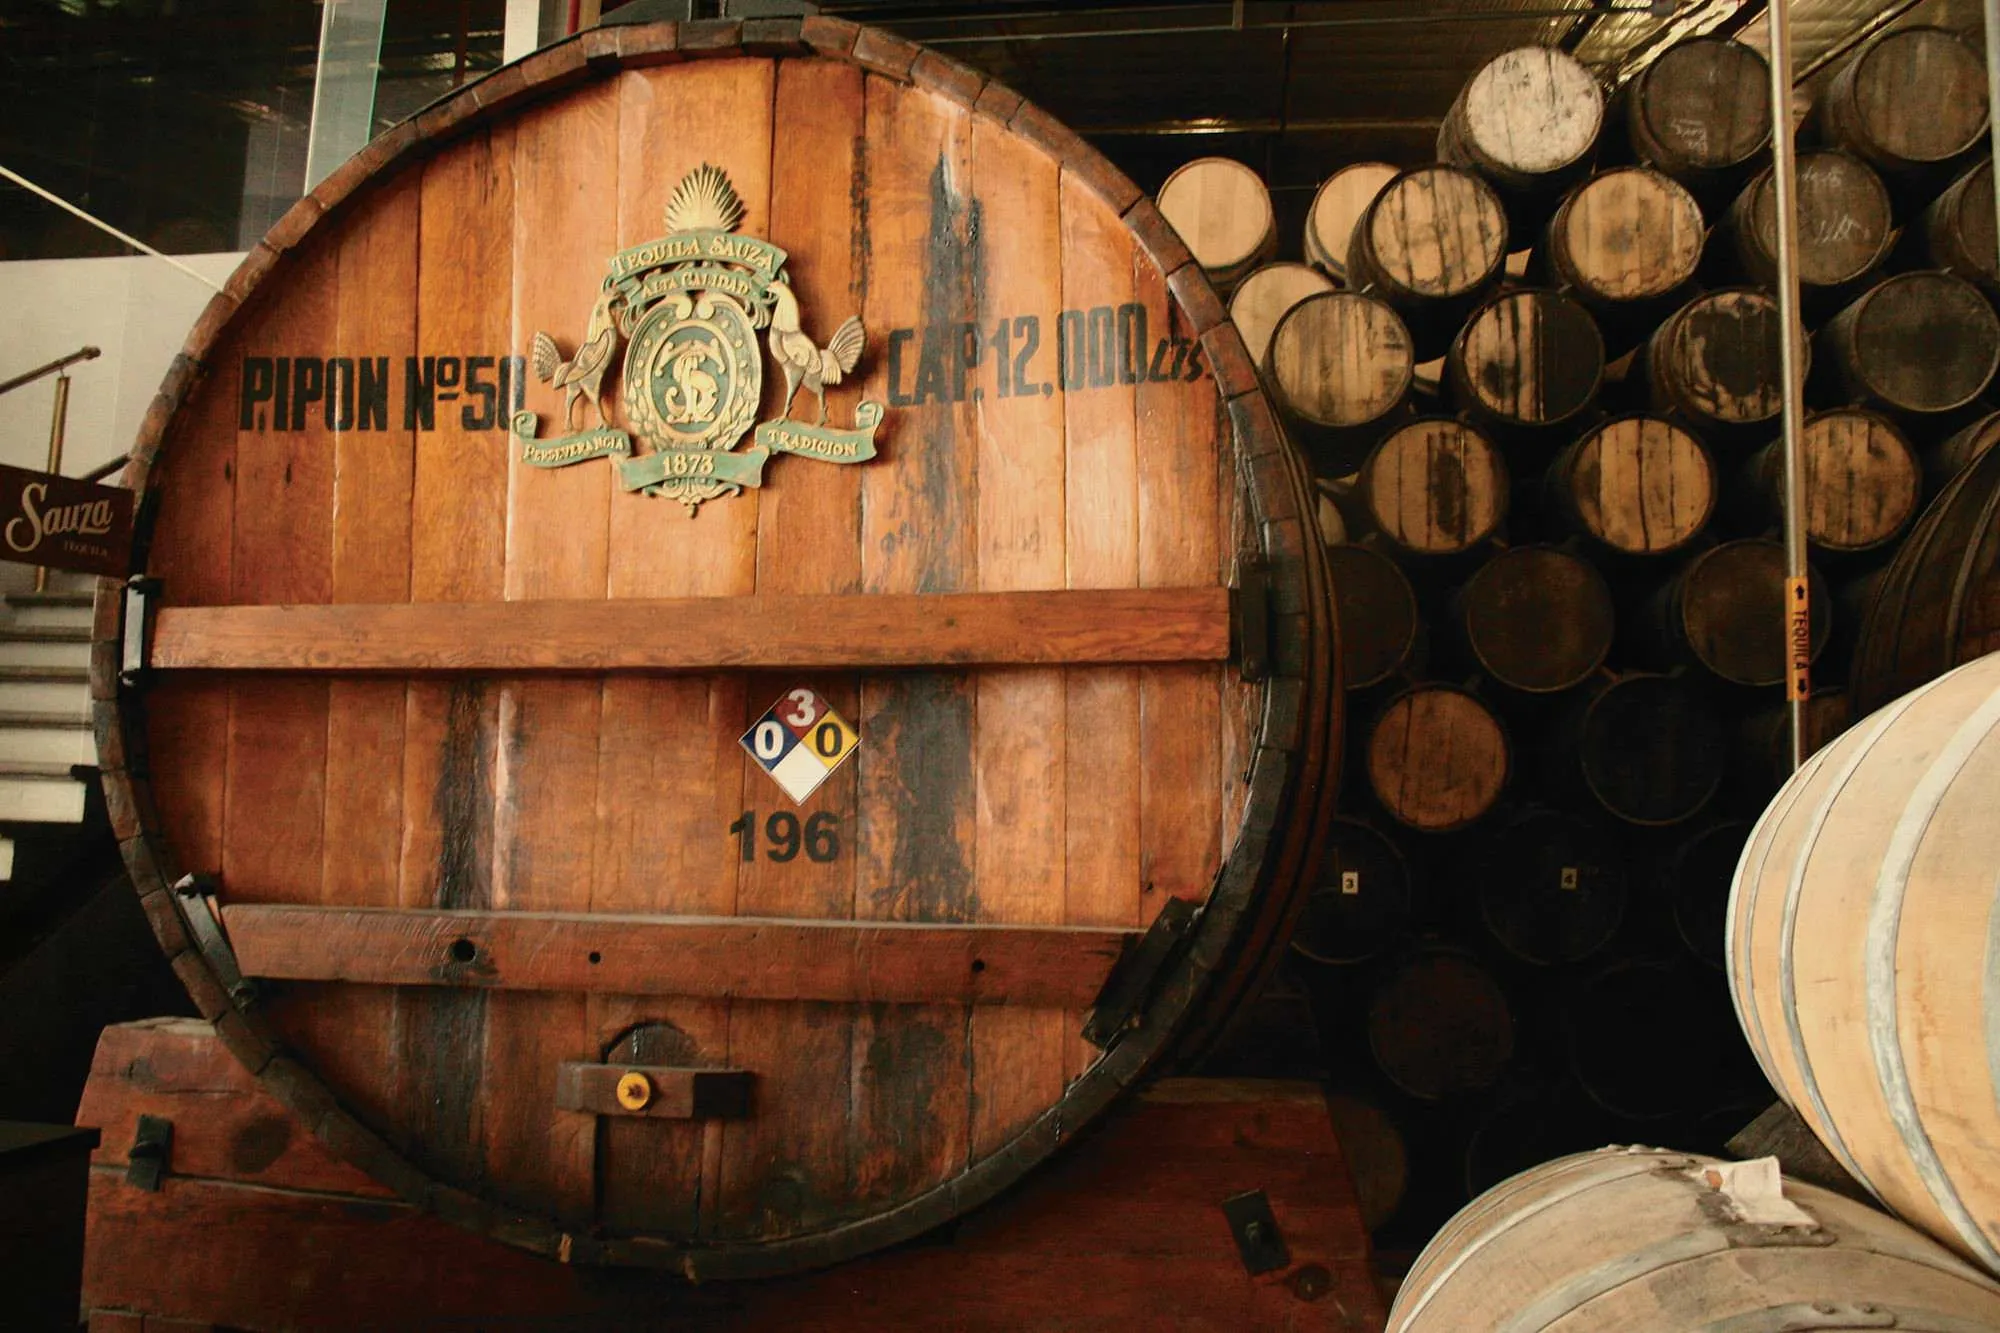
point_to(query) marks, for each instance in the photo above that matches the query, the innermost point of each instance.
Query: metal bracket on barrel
(1122, 1001)
(142, 595)
(1250, 617)
(151, 1153)
(1258, 1239)
(194, 896)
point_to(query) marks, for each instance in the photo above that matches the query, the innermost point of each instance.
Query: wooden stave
(1567, 472)
(1763, 476)
(1842, 368)
(1543, 1246)
(1932, 609)
(1295, 729)
(1862, 897)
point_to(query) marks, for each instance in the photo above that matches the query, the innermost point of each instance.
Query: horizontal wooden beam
(703, 633)
(657, 1091)
(751, 958)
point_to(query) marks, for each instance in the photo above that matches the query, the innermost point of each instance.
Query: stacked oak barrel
(1538, 380)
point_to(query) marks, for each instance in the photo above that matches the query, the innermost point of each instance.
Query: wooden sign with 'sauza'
(64, 523)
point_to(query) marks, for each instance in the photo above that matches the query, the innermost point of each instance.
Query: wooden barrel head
(1537, 618)
(1703, 106)
(1439, 1026)
(1531, 111)
(1640, 484)
(1361, 903)
(1337, 206)
(1377, 614)
(1434, 232)
(1911, 97)
(1651, 750)
(1961, 450)
(702, 689)
(1698, 887)
(1716, 360)
(1958, 228)
(1729, 607)
(1340, 359)
(1263, 298)
(1435, 487)
(1551, 887)
(1862, 479)
(1528, 358)
(1917, 342)
(1627, 235)
(1845, 223)
(1437, 758)
(1222, 210)
(1622, 1024)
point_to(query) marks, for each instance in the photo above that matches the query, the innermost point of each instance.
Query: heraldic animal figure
(583, 374)
(805, 363)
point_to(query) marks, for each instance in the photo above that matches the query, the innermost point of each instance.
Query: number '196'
(820, 837)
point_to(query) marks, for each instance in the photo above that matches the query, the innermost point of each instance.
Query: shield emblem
(693, 375)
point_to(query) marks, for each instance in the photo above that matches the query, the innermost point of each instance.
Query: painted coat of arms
(685, 311)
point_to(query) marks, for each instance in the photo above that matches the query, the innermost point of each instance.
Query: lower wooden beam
(799, 633)
(707, 957)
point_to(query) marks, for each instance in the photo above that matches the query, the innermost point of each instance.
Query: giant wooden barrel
(649, 852)
(1937, 603)
(1643, 1240)
(1861, 953)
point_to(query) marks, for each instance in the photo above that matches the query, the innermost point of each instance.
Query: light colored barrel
(1640, 485)
(1528, 359)
(1431, 244)
(1341, 200)
(1862, 480)
(1527, 121)
(1632, 234)
(1339, 364)
(1263, 298)
(1864, 953)
(1437, 758)
(1223, 211)
(1641, 1240)
(1435, 487)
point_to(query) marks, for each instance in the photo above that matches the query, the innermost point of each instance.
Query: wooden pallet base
(256, 1227)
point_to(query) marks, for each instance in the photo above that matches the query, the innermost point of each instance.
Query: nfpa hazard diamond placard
(799, 741)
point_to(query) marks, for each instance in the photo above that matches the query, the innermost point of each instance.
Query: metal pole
(29, 377)
(1798, 591)
(56, 424)
(1993, 89)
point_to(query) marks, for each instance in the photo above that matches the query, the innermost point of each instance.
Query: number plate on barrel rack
(799, 741)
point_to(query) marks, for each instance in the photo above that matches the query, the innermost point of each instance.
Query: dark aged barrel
(1923, 342)
(1435, 487)
(1764, 739)
(1362, 902)
(1262, 299)
(1643, 1240)
(1621, 243)
(1437, 758)
(1377, 614)
(1912, 98)
(1439, 1025)
(1527, 121)
(1639, 485)
(1701, 113)
(1725, 611)
(1529, 358)
(1551, 886)
(1339, 364)
(1958, 229)
(1528, 1127)
(1336, 207)
(1960, 451)
(1863, 482)
(1647, 748)
(1697, 886)
(1536, 618)
(1377, 1158)
(1845, 225)
(1715, 360)
(1431, 244)
(1938, 603)
(720, 878)
(1222, 210)
(1861, 953)
(1623, 1021)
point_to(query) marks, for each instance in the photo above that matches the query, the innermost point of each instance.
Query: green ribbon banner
(566, 449)
(745, 467)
